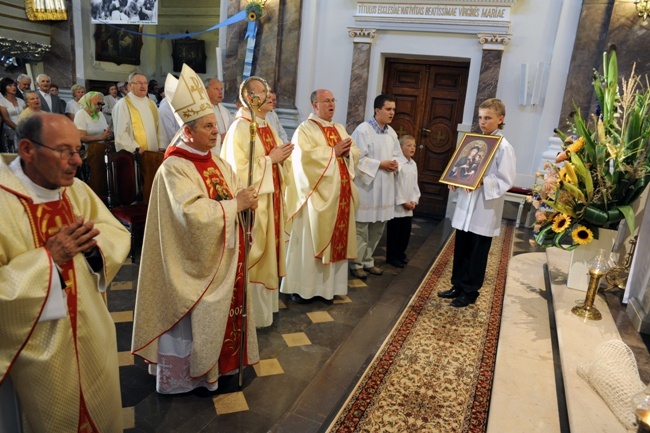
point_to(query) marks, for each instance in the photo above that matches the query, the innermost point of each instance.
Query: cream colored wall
(156, 56)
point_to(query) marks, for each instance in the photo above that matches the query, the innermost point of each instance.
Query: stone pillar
(363, 39)
(59, 63)
(587, 55)
(488, 80)
(278, 37)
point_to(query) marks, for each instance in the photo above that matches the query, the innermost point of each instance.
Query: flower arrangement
(604, 166)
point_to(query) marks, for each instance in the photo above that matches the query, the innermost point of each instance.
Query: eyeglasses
(328, 101)
(66, 153)
(140, 83)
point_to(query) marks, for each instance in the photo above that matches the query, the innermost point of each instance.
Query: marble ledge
(578, 340)
(524, 396)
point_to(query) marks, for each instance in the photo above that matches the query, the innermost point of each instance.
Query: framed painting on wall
(470, 160)
(191, 52)
(117, 45)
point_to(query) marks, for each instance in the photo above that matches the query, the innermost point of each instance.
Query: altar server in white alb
(477, 218)
(407, 195)
(375, 180)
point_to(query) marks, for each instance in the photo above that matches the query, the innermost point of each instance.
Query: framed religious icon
(190, 51)
(471, 158)
(117, 45)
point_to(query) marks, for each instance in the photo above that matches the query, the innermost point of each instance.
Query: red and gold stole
(219, 190)
(46, 220)
(339, 239)
(268, 141)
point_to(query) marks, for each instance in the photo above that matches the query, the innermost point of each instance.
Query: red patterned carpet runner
(434, 371)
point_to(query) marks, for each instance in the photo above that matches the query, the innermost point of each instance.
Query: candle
(643, 418)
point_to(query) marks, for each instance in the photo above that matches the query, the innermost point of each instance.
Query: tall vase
(578, 277)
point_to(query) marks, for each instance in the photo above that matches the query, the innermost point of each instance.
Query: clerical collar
(136, 97)
(36, 192)
(244, 113)
(184, 146)
(378, 129)
(321, 120)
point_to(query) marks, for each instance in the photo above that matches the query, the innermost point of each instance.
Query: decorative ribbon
(251, 33)
(240, 16)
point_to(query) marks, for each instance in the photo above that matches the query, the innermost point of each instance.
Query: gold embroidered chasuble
(318, 181)
(50, 365)
(266, 259)
(189, 265)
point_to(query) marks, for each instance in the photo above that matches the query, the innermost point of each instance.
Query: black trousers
(398, 232)
(470, 261)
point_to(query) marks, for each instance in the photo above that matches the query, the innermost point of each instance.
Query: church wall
(156, 54)
(326, 54)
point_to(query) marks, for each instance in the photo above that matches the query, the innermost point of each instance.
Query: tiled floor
(310, 356)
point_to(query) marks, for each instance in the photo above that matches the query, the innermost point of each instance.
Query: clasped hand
(78, 237)
(389, 165)
(342, 148)
(280, 153)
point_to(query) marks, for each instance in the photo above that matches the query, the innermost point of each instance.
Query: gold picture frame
(470, 160)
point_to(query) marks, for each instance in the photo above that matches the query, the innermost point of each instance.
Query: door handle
(426, 130)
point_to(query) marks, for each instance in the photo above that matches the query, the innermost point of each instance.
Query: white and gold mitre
(187, 95)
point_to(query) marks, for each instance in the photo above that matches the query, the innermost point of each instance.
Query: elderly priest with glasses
(59, 249)
(188, 312)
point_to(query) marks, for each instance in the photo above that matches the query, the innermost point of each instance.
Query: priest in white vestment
(214, 88)
(266, 259)
(136, 123)
(321, 204)
(59, 249)
(189, 306)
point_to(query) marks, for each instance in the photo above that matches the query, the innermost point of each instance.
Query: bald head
(48, 145)
(214, 88)
(324, 104)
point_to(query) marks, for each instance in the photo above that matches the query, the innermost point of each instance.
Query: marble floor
(310, 357)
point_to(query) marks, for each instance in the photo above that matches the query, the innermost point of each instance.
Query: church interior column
(488, 81)
(363, 39)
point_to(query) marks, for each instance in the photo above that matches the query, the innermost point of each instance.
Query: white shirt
(274, 121)
(72, 107)
(48, 99)
(168, 119)
(480, 211)
(224, 118)
(406, 187)
(376, 186)
(12, 110)
(84, 122)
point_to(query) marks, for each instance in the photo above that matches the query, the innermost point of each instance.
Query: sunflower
(561, 222)
(582, 235)
(576, 145)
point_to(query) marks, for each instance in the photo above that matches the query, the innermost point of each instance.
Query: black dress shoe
(300, 300)
(452, 293)
(395, 262)
(464, 300)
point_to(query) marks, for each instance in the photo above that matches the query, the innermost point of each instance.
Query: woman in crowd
(90, 120)
(73, 105)
(32, 102)
(10, 108)
(110, 99)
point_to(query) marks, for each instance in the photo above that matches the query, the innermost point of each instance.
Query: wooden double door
(430, 98)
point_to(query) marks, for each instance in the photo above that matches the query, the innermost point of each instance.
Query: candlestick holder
(598, 267)
(641, 405)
